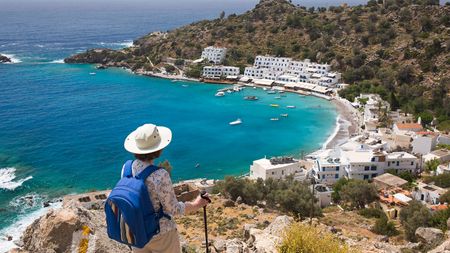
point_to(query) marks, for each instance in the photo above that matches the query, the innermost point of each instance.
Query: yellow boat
(274, 105)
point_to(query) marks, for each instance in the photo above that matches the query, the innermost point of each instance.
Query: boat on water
(284, 115)
(274, 105)
(220, 94)
(102, 66)
(264, 88)
(236, 122)
(278, 97)
(229, 91)
(197, 165)
(251, 98)
(92, 73)
(274, 119)
(280, 91)
(290, 106)
(271, 92)
(185, 85)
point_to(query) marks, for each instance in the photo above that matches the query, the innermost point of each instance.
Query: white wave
(40, 45)
(58, 61)
(17, 228)
(340, 123)
(13, 58)
(7, 176)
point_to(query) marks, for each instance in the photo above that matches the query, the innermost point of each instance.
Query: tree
(385, 227)
(426, 118)
(222, 15)
(406, 74)
(431, 165)
(337, 187)
(413, 216)
(445, 198)
(358, 193)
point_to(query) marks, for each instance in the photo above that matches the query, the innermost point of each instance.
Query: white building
(277, 168)
(443, 169)
(373, 107)
(220, 71)
(407, 128)
(428, 194)
(215, 55)
(323, 195)
(424, 143)
(363, 163)
(285, 70)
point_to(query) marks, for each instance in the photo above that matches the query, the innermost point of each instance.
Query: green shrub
(302, 238)
(372, 213)
(413, 216)
(385, 227)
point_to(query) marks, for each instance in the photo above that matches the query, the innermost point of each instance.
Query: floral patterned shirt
(161, 192)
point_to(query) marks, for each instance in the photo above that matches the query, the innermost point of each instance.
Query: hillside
(399, 49)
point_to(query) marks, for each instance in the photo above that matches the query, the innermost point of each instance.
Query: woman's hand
(200, 201)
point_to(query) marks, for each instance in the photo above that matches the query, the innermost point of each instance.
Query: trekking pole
(203, 196)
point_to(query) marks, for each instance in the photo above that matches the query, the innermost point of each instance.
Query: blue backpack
(130, 216)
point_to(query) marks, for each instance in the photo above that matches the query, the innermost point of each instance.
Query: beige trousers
(166, 243)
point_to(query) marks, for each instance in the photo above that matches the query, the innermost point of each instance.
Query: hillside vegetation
(399, 48)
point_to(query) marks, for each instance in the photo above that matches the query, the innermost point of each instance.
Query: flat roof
(397, 155)
(390, 180)
(441, 152)
(409, 126)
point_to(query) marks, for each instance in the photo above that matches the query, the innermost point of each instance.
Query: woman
(147, 143)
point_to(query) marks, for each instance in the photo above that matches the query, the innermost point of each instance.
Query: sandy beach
(348, 123)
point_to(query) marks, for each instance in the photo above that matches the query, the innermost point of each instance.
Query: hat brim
(164, 133)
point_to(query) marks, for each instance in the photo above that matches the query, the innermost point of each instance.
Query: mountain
(399, 49)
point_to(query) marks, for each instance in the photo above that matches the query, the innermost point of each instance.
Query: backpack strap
(147, 172)
(127, 170)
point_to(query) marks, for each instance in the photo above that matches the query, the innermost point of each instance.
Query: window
(373, 159)
(273, 172)
(282, 172)
(336, 176)
(398, 163)
(366, 168)
(374, 175)
(337, 168)
(373, 167)
(389, 163)
(412, 163)
(366, 177)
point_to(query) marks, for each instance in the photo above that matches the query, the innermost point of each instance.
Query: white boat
(284, 115)
(264, 88)
(278, 97)
(236, 122)
(229, 91)
(274, 119)
(185, 85)
(280, 91)
(290, 106)
(220, 94)
(271, 92)
(92, 73)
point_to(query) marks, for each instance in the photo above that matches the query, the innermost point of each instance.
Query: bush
(372, 213)
(385, 227)
(413, 216)
(302, 238)
(358, 193)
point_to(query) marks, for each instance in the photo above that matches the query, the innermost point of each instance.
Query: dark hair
(149, 156)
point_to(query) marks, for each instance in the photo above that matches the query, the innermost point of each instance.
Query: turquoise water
(62, 129)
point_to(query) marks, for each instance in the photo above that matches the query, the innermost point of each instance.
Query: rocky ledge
(4, 59)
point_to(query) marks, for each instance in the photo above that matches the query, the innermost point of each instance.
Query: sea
(62, 128)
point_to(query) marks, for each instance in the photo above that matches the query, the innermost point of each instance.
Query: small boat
(101, 66)
(174, 81)
(236, 122)
(290, 106)
(185, 85)
(197, 165)
(281, 91)
(251, 98)
(92, 73)
(264, 88)
(284, 115)
(254, 87)
(271, 92)
(220, 94)
(274, 119)
(229, 91)
(278, 97)
(274, 105)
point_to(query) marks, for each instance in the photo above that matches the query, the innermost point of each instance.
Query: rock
(448, 223)
(278, 226)
(9, 238)
(247, 228)
(52, 232)
(236, 246)
(4, 59)
(46, 204)
(239, 200)
(250, 216)
(228, 203)
(429, 236)
(220, 245)
(263, 242)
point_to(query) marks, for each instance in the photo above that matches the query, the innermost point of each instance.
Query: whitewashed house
(215, 55)
(424, 142)
(401, 162)
(220, 71)
(428, 194)
(277, 168)
(407, 128)
(323, 195)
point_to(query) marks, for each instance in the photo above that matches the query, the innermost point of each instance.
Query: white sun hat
(147, 139)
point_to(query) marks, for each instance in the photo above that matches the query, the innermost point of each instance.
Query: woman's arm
(169, 200)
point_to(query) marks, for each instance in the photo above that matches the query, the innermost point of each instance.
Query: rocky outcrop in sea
(4, 59)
